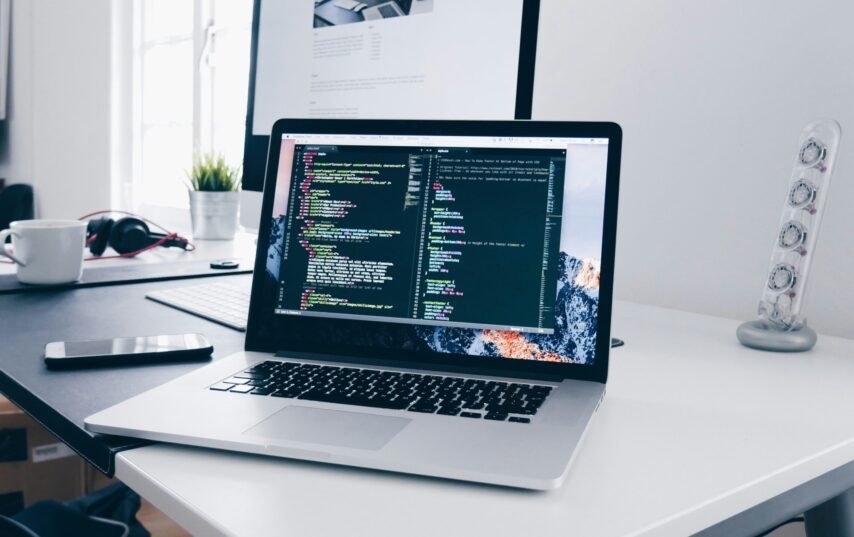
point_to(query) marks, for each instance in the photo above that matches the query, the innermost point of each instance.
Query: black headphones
(127, 235)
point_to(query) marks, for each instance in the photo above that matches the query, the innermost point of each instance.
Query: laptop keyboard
(413, 392)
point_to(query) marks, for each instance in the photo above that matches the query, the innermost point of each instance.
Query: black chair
(109, 512)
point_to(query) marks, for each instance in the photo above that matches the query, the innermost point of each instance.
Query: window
(189, 85)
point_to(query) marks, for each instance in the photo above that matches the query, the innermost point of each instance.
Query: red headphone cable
(133, 254)
(169, 236)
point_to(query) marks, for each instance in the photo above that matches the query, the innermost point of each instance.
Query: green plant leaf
(210, 173)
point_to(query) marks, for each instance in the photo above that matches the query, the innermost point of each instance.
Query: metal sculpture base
(760, 335)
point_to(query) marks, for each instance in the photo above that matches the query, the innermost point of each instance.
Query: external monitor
(460, 59)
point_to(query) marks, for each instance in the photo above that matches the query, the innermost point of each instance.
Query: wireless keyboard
(223, 303)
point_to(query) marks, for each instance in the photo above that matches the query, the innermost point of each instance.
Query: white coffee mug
(47, 252)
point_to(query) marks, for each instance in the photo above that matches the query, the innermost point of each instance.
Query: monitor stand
(250, 210)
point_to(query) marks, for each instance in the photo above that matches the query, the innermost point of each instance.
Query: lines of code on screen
(445, 236)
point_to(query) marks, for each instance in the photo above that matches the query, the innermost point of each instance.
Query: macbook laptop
(387, 10)
(429, 297)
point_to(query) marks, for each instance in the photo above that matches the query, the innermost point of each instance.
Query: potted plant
(214, 197)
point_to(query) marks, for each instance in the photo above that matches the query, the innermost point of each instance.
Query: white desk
(695, 429)
(241, 247)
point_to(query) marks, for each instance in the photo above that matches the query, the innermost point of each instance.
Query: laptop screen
(466, 245)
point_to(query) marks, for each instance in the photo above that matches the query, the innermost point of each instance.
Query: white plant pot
(214, 214)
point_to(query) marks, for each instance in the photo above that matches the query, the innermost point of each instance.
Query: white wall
(712, 97)
(59, 126)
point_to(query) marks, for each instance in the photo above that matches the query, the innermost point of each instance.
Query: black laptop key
(497, 416)
(258, 382)
(404, 399)
(452, 411)
(289, 394)
(470, 414)
(261, 391)
(534, 403)
(245, 375)
(515, 419)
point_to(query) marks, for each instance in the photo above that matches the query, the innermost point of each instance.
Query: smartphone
(127, 350)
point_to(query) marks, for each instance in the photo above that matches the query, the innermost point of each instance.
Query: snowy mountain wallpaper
(574, 338)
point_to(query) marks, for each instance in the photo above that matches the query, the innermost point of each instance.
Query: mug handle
(4, 252)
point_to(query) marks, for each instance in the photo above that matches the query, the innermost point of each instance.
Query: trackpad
(330, 427)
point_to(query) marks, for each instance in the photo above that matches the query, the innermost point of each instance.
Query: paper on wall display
(421, 59)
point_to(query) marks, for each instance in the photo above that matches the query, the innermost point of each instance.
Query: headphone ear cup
(100, 229)
(129, 235)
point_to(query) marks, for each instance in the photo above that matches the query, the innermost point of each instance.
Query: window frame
(129, 48)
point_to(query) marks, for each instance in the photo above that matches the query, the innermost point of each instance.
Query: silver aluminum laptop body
(534, 455)
(383, 11)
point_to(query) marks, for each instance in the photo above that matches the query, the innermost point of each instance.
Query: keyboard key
(235, 380)
(290, 394)
(261, 391)
(241, 388)
(515, 419)
(497, 416)
(470, 414)
(222, 386)
(252, 376)
(258, 383)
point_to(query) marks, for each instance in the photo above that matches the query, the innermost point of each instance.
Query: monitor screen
(387, 59)
(466, 245)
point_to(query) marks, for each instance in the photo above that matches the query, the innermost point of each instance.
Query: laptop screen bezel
(262, 336)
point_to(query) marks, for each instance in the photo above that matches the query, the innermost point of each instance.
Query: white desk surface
(242, 247)
(693, 430)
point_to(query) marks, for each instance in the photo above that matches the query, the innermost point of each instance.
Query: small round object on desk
(224, 264)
